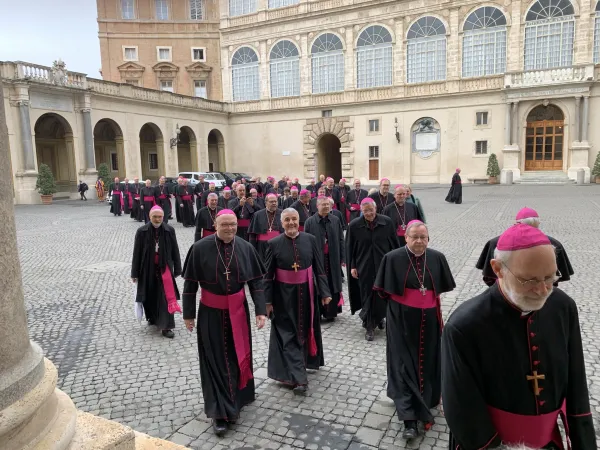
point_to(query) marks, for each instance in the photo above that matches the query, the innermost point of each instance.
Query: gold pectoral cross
(295, 266)
(226, 273)
(535, 377)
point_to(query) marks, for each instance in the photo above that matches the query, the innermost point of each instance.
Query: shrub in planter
(45, 183)
(596, 168)
(493, 169)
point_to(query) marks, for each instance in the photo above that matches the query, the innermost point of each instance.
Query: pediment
(198, 68)
(131, 67)
(165, 67)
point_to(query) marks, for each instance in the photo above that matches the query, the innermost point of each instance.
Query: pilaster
(349, 60)
(305, 69)
(514, 49)
(399, 58)
(263, 71)
(452, 52)
(584, 35)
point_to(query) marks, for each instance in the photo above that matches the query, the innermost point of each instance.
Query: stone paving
(75, 258)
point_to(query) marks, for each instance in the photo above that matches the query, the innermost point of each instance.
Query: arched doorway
(216, 151)
(54, 147)
(329, 158)
(152, 152)
(186, 151)
(109, 148)
(544, 138)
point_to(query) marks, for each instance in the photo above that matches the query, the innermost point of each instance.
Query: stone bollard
(580, 176)
(509, 177)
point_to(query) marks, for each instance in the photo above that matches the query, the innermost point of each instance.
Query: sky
(41, 31)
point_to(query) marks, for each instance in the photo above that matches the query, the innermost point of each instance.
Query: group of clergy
(507, 363)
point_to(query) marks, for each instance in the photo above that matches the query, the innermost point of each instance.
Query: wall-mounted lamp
(396, 127)
(175, 140)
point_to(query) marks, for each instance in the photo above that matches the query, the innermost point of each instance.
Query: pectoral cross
(403, 227)
(226, 273)
(295, 266)
(423, 290)
(535, 377)
(156, 248)
(270, 230)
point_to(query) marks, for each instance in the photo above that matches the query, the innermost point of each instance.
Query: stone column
(508, 134)
(26, 141)
(305, 66)
(349, 60)
(577, 127)
(515, 124)
(264, 76)
(585, 118)
(88, 135)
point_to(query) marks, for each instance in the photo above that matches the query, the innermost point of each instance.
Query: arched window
(426, 50)
(484, 43)
(327, 54)
(597, 35)
(281, 3)
(374, 58)
(244, 74)
(240, 7)
(549, 30)
(285, 70)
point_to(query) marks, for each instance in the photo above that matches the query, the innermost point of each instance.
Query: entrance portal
(108, 146)
(544, 138)
(329, 158)
(152, 152)
(186, 151)
(216, 151)
(54, 147)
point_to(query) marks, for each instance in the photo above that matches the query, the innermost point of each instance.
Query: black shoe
(168, 334)
(219, 426)
(381, 325)
(370, 335)
(410, 429)
(151, 321)
(300, 389)
(330, 319)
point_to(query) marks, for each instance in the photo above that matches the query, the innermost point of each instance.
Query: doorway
(544, 138)
(329, 158)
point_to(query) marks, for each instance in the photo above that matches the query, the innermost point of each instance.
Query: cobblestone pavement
(76, 258)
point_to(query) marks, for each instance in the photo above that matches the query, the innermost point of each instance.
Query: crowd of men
(507, 363)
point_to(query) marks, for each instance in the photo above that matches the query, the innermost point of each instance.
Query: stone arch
(152, 151)
(329, 158)
(187, 151)
(216, 151)
(55, 148)
(472, 9)
(340, 127)
(109, 148)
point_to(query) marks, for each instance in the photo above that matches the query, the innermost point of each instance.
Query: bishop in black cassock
(200, 189)
(147, 200)
(244, 209)
(206, 218)
(303, 207)
(204, 197)
(265, 225)
(355, 196)
(221, 265)
(382, 197)
(185, 203)
(136, 211)
(368, 238)
(294, 261)
(117, 201)
(512, 357)
(530, 217)
(163, 198)
(127, 197)
(412, 278)
(455, 192)
(327, 230)
(401, 212)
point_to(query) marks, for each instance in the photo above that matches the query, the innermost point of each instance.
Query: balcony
(549, 77)
(56, 75)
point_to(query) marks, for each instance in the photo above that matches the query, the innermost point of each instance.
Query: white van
(194, 178)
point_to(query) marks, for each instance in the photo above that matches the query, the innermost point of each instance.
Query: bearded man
(155, 265)
(512, 357)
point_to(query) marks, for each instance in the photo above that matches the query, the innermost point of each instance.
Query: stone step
(545, 177)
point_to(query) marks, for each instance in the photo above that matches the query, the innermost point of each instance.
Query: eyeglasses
(228, 225)
(418, 238)
(529, 284)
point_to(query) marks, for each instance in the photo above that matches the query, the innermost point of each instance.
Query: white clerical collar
(413, 253)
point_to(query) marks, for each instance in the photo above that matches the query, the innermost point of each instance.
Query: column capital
(577, 99)
(19, 102)
(84, 110)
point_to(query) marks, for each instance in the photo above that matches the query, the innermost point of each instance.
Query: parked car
(240, 175)
(210, 177)
(229, 177)
(217, 178)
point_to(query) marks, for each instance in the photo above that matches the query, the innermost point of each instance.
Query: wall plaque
(42, 100)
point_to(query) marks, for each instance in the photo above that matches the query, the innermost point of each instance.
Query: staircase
(545, 177)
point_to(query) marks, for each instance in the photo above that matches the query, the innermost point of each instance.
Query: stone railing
(20, 70)
(550, 76)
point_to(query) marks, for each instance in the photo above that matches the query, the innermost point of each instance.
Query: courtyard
(75, 259)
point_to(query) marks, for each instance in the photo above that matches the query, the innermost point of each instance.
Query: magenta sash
(400, 231)
(354, 206)
(206, 232)
(301, 277)
(533, 431)
(415, 299)
(150, 198)
(186, 198)
(244, 223)
(341, 302)
(120, 194)
(234, 303)
(169, 288)
(130, 199)
(300, 227)
(267, 236)
(162, 196)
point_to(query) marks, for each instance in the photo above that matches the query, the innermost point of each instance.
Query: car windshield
(229, 174)
(218, 176)
(209, 176)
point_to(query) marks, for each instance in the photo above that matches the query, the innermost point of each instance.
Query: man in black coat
(355, 196)
(156, 263)
(200, 189)
(402, 213)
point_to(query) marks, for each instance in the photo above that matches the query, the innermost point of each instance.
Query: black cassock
(147, 200)
(366, 243)
(150, 288)
(117, 200)
(244, 215)
(413, 328)
(205, 222)
(455, 192)
(219, 365)
(200, 189)
(355, 196)
(312, 189)
(490, 348)
(328, 232)
(401, 215)
(291, 337)
(312, 206)
(381, 201)
(127, 199)
(263, 227)
(342, 203)
(185, 197)
(136, 211)
(338, 214)
(288, 202)
(304, 211)
(204, 198)
(487, 254)
(163, 199)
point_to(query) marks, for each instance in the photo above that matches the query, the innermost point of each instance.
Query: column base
(511, 155)
(516, 175)
(25, 193)
(580, 153)
(90, 177)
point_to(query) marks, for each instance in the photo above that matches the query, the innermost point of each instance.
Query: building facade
(168, 45)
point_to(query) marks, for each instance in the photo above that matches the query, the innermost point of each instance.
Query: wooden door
(544, 142)
(373, 169)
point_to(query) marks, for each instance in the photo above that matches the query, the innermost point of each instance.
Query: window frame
(137, 55)
(160, 82)
(327, 66)
(283, 3)
(282, 67)
(487, 148)
(122, 11)
(150, 158)
(245, 70)
(373, 147)
(203, 59)
(205, 88)
(368, 54)
(245, 10)
(487, 115)
(164, 47)
(596, 41)
(202, 10)
(415, 50)
(326, 113)
(377, 122)
(484, 27)
(114, 161)
(167, 5)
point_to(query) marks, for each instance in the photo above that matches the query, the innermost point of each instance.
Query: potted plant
(45, 184)
(596, 168)
(104, 172)
(493, 169)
